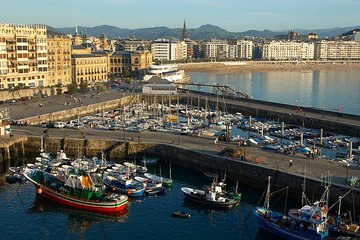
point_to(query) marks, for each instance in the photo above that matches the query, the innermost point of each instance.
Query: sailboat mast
(267, 196)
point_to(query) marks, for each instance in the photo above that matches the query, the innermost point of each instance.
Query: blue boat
(124, 185)
(286, 227)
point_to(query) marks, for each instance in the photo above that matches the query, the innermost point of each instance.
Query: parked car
(59, 124)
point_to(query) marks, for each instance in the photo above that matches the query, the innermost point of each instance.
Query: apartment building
(90, 68)
(337, 50)
(288, 50)
(59, 60)
(132, 44)
(218, 49)
(23, 55)
(168, 50)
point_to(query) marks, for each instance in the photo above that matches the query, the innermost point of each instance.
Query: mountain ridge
(204, 32)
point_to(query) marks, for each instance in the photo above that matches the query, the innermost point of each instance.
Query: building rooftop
(89, 55)
(157, 80)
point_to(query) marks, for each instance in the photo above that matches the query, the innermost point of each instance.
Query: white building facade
(168, 50)
(337, 50)
(287, 50)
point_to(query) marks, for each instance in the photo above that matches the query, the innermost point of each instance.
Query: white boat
(169, 72)
(165, 181)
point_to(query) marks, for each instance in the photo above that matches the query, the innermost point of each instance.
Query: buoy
(39, 191)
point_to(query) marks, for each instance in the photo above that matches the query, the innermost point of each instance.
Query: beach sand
(228, 68)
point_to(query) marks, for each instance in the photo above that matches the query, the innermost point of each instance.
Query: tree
(72, 88)
(59, 89)
(83, 87)
(126, 73)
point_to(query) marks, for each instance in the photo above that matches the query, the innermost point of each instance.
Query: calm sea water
(325, 89)
(24, 216)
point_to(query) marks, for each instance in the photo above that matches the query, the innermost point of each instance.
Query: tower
(184, 32)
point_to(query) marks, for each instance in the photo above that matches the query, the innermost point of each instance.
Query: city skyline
(234, 16)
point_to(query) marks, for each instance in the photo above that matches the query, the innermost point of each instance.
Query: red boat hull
(70, 201)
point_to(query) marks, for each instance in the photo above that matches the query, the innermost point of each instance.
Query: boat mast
(267, 196)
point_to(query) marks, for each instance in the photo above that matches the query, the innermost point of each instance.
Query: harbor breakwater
(247, 173)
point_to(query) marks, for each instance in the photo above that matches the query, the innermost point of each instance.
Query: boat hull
(110, 206)
(285, 232)
(202, 200)
(79, 203)
(131, 192)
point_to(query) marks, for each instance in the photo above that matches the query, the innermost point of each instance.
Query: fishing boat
(166, 182)
(287, 227)
(181, 214)
(77, 189)
(213, 196)
(123, 185)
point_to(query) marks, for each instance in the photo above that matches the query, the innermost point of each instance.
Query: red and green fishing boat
(76, 189)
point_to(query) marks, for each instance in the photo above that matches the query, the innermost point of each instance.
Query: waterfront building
(90, 68)
(159, 86)
(59, 60)
(244, 49)
(23, 56)
(288, 50)
(217, 49)
(125, 63)
(337, 50)
(168, 50)
(140, 60)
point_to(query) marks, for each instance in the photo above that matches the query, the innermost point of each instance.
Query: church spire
(184, 32)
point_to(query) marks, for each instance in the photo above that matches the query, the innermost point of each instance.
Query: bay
(322, 89)
(25, 216)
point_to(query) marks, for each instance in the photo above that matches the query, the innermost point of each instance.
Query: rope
(247, 217)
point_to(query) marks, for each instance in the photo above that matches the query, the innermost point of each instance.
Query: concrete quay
(197, 153)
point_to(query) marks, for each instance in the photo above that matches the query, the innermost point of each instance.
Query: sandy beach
(254, 66)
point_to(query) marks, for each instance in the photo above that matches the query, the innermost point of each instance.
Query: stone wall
(73, 113)
(30, 92)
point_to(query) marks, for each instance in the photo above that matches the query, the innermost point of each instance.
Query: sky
(232, 15)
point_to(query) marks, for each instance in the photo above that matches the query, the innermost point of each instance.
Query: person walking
(290, 163)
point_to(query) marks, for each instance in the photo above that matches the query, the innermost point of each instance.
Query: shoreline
(245, 67)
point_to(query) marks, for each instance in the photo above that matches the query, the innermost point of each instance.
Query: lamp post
(347, 173)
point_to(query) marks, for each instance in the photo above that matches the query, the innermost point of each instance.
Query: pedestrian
(290, 163)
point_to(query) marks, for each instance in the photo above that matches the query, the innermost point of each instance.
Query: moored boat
(75, 190)
(124, 185)
(166, 182)
(212, 196)
(287, 227)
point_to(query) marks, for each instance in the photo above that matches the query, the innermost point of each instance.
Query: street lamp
(347, 173)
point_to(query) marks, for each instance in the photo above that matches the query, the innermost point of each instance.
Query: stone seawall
(73, 113)
(254, 175)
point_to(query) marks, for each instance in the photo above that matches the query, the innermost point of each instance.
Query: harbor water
(322, 89)
(25, 216)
